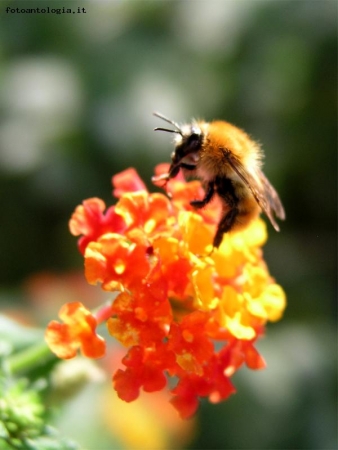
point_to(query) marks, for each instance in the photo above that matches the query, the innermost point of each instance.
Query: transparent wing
(264, 193)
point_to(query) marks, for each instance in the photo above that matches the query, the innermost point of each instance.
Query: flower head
(183, 309)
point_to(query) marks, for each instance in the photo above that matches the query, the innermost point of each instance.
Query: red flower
(89, 221)
(127, 181)
(183, 309)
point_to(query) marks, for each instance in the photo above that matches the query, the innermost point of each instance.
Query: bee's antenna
(160, 116)
(167, 129)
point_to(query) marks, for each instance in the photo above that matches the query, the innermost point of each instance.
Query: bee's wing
(262, 190)
(272, 196)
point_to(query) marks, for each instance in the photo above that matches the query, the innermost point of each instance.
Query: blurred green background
(77, 92)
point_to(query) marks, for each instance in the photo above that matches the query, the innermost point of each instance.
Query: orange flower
(183, 309)
(77, 332)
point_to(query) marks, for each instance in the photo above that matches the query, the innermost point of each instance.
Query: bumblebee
(229, 164)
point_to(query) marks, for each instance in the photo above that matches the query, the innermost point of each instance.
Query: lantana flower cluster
(183, 309)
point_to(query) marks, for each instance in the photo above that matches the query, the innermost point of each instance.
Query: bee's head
(188, 139)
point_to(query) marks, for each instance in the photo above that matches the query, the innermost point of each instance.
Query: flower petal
(77, 332)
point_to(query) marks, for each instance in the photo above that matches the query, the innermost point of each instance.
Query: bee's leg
(210, 190)
(175, 168)
(226, 192)
(224, 226)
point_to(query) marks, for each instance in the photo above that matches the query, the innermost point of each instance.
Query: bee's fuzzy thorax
(222, 135)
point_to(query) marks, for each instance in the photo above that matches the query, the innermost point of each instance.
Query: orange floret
(77, 332)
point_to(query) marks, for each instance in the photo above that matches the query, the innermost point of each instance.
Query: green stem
(29, 358)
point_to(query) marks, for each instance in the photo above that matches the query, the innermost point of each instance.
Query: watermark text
(46, 10)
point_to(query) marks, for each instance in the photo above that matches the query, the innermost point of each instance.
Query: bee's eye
(194, 141)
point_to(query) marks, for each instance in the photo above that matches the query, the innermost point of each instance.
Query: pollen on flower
(124, 332)
(188, 363)
(149, 225)
(184, 310)
(119, 266)
(141, 314)
(188, 336)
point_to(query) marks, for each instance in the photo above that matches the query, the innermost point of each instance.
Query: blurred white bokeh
(42, 98)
